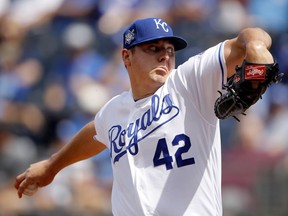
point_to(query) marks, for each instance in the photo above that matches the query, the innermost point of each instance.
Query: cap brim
(178, 42)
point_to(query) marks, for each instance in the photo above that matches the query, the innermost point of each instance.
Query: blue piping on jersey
(221, 65)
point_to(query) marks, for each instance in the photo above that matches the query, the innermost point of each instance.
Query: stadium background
(60, 61)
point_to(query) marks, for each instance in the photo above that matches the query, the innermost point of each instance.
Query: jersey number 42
(163, 157)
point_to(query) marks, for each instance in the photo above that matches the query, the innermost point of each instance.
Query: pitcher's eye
(153, 48)
(170, 51)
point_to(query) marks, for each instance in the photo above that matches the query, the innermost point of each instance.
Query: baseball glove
(245, 88)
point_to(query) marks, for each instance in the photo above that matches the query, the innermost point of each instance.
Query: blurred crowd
(60, 61)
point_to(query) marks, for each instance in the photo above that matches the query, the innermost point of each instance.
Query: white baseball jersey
(165, 149)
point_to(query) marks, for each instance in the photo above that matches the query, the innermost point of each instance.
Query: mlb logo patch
(255, 72)
(129, 36)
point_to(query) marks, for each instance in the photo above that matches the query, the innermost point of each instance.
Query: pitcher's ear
(126, 55)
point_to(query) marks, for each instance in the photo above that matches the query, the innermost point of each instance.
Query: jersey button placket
(150, 213)
(144, 198)
(140, 186)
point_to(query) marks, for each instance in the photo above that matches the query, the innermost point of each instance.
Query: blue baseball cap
(144, 30)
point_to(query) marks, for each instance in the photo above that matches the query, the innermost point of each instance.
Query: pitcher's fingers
(18, 180)
(23, 185)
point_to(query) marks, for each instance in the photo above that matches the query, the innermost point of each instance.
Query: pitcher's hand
(37, 175)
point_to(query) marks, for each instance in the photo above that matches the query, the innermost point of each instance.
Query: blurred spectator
(270, 14)
(243, 166)
(281, 54)
(60, 61)
(275, 139)
(231, 17)
(16, 152)
(18, 19)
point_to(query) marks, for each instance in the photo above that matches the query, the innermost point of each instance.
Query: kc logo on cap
(163, 24)
(145, 30)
